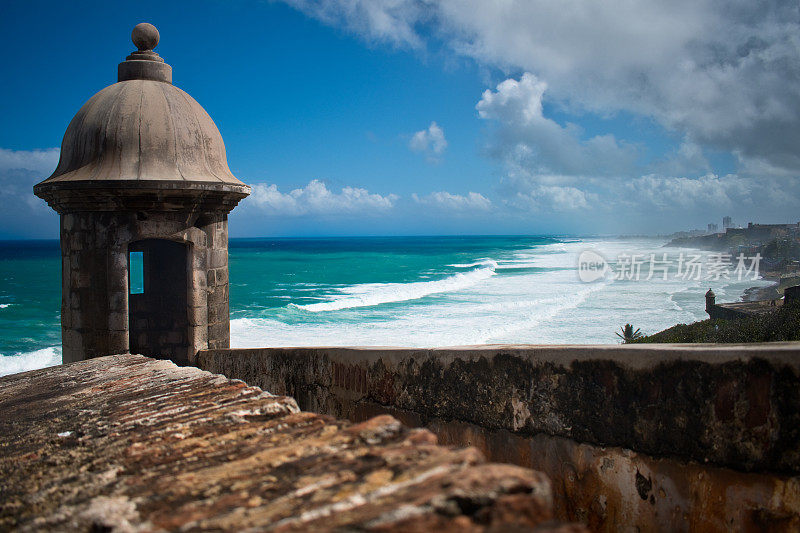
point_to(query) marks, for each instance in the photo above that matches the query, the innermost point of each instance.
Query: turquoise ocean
(390, 291)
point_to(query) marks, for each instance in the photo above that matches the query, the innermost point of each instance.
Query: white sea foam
(540, 307)
(12, 364)
(484, 261)
(3, 306)
(545, 304)
(549, 248)
(370, 294)
(547, 309)
(508, 265)
(493, 311)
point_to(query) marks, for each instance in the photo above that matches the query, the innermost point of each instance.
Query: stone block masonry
(185, 305)
(128, 443)
(655, 437)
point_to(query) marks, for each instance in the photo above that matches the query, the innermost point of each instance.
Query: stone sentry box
(143, 169)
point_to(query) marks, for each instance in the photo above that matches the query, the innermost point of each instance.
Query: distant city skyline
(405, 117)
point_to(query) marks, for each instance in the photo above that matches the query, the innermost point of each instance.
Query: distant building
(764, 233)
(783, 227)
(727, 222)
(712, 228)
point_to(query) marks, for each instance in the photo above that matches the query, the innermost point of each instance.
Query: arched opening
(158, 299)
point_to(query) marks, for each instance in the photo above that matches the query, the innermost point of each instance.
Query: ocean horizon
(417, 291)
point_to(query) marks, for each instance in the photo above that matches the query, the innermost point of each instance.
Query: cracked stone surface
(128, 443)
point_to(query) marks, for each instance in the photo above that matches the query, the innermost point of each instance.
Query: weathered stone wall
(94, 317)
(127, 443)
(95, 303)
(720, 311)
(657, 436)
(219, 325)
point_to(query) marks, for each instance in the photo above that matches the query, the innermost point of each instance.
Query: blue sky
(352, 117)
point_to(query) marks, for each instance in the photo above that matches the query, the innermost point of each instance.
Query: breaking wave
(370, 294)
(542, 314)
(12, 364)
(514, 265)
(484, 261)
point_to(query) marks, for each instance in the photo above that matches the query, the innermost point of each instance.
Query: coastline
(770, 292)
(774, 291)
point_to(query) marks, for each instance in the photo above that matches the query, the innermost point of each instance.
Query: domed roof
(142, 132)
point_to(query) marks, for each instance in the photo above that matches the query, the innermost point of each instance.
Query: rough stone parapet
(655, 437)
(738, 310)
(735, 406)
(128, 443)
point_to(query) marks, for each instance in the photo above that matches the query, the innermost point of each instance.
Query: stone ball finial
(145, 36)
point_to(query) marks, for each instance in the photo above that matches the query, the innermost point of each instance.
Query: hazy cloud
(42, 161)
(24, 213)
(20, 170)
(376, 20)
(690, 193)
(688, 159)
(444, 200)
(550, 198)
(552, 193)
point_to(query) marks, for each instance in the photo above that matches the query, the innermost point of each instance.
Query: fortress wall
(658, 436)
(720, 311)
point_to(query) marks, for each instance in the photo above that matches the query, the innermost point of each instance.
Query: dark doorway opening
(158, 310)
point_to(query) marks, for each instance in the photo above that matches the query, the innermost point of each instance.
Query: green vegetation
(781, 325)
(628, 334)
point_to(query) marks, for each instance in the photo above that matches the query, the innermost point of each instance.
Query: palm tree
(628, 333)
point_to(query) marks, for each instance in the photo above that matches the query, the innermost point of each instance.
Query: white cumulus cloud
(525, 137)
(722, 72)
(430, 141)
(316, 199)
(720, 75)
